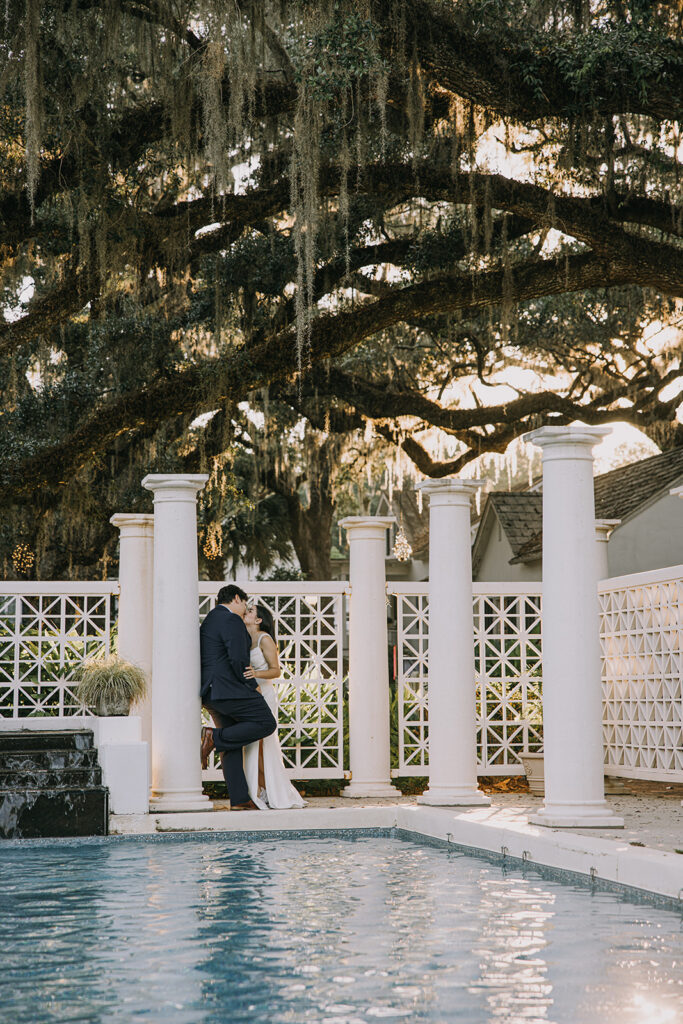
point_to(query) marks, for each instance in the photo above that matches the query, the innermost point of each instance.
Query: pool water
(201, 930)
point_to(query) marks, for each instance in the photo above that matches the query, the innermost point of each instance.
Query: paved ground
(654, 822)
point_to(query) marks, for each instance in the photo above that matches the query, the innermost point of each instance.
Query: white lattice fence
(309, 625)
(46, 631)
(410, 711)
(507, 644)
(508, 672)
(641, 632)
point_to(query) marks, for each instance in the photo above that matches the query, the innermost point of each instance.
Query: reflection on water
(514, 976)
(206, 931)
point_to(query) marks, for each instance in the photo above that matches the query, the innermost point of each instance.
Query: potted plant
(533, 763)
(110, 685)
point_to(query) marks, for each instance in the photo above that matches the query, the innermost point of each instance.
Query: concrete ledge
(612, 860)
(293, 820)
(67, 723)
(114, 729)
(125, 771)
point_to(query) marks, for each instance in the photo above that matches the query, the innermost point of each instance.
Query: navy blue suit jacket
(225, 645)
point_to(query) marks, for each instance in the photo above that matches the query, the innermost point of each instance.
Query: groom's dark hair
(227, 594)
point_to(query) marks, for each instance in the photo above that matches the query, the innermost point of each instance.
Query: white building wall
(495, 565)
(652, 539)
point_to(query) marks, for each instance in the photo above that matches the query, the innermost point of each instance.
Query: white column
(572, 689)
(452, 690)
(368, 658)
(176, 710)
(136, 582)
(677, 492)
(603, 531)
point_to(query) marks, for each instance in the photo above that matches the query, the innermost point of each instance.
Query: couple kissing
(239, 663)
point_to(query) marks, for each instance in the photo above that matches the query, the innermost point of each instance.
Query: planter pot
(533, 769)
(111, 709)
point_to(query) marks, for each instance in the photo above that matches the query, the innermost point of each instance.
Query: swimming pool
(211, 930)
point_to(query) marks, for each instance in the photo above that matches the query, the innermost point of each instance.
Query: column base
(177, 802)
(447, 796)
(385, 790)
(577, 815)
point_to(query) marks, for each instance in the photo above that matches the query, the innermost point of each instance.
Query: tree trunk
(311, 530)
(665, 435)
(215, 568)
(311, 527)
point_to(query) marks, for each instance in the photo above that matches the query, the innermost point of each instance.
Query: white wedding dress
(279, 791)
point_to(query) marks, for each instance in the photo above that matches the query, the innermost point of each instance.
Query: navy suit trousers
(239, 721)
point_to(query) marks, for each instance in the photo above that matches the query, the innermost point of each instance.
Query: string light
(23, 558)
(402, 549)
(213, 545)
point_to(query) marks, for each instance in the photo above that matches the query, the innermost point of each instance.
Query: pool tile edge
(610, 860)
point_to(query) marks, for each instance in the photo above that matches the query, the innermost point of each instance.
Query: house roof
(520, 513)
(619, 494)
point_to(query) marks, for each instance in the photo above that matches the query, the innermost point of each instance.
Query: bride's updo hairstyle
(267, 624)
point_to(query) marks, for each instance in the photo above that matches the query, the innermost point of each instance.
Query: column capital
(134, 524)
(451, 490)
(676, 492)
(574, 441)
(604, 528)
(175, 486)
(367, 527)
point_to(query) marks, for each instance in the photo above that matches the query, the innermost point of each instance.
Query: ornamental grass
(110, 682)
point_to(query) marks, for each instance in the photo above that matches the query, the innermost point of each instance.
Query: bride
(267, 780)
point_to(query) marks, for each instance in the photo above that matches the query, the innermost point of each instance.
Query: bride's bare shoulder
(267, 642)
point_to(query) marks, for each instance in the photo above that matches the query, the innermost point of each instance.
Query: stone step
(53, 813)
(25, 739)
(29, 760)
(49, 778)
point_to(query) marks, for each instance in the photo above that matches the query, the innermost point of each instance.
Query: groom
(236, 705)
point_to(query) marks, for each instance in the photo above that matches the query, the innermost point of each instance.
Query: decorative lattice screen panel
(309, 626)
(508, 671)
(410, 707)
(46, 631)
(641, 632)
(507, 646)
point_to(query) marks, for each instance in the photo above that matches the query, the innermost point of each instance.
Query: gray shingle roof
(618, 495)
(622, 491)
(520, 514)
